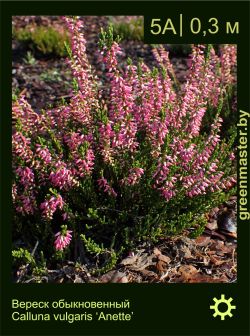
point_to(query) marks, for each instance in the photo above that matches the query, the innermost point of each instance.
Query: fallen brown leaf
(164, 258)
(199, 278)
(229, 234)
(148, 273)
(129, 260)
(187, 254)
(187, 272)
(202, 240)
(161, 266)
(142, 262)
(217, 245)
(114, 276)
(216, 261)
(218, 235)
(156, 252)
(161, 257)
(212, 225)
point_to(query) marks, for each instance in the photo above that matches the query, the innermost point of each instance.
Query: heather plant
(125, 160)
(29, 59)
(25, 260)
(47, 40)
(128, 27)
(225, 75)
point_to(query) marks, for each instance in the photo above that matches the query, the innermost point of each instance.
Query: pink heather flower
(232, 156)
(202, 184)
(121, 114)
(43, 153)
(14, 192)
(109, 56)
(81, 67)
(195, 82)
(227, 182)
(213, 79)
(106, 134)
(74, 140)
(121, 102)
(162, 57)
(50, 206)
(210, 145)
(82, 152)
(80, 109)
(65, 216)
(104, 185)
(228, 63)
(30, 120)
(167, 192)
(168, 189)
(201, 85)
(134, 176)
(86, 165)
(151, 113)
(63, 238)
(62, 177)
(26, 175)
(163, 169)
(213, 167)
(26, 204)
(21, 147)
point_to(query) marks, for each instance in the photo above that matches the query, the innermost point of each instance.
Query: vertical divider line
(181, 19)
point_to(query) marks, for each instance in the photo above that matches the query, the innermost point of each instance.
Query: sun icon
(222, 302)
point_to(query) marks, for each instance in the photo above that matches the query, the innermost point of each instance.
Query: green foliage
(29, 58)
(131, 29)
(91, 246)
(110, 257)
(23, 256)
(53, 75)
(228, 112)
(41, 267)
(107, 37)
(110, 263)
(47, 40)
(15, 94)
